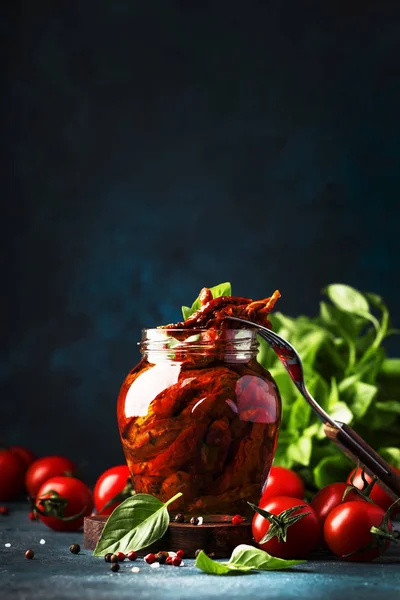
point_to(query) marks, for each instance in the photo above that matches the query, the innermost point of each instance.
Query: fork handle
(359, 451)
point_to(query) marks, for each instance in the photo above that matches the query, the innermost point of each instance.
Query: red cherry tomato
(110, 485)
(302, 536)
(76, 497)
(331, 496)
(44, 468)
(283, 482)
(12, 472)
(347, 530)
(27, 455)
(378, 495)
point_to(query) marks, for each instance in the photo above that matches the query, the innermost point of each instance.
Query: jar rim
(229, 332)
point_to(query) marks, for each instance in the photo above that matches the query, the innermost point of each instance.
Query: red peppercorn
(29, 554)
(150, 558)
(3, 510)
(121, 556)
(180, 553)
(131, 555)
(32, 515)
(237, 520)
(176, 561)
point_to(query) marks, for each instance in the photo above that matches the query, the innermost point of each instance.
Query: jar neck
(228, 345)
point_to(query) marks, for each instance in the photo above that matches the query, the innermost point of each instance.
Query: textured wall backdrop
(156, 147)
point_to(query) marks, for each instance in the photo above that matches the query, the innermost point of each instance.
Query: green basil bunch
(348, 372)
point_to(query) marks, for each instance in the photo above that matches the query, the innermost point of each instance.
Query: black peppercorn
(194, 521)
(161, 558)
(75, 548)
(179, 518)
(115, 567)
(114, 558)
(107, 557)
(29, 554)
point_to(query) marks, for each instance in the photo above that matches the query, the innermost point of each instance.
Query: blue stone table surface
(56, 573)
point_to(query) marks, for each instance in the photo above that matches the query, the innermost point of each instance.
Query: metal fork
(341, 434)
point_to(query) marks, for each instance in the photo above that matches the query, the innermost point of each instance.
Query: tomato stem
(279, 524)
(54, 505)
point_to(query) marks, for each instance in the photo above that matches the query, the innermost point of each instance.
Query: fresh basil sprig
(134, 524)
(244, 559)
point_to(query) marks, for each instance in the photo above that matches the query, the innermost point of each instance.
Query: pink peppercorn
(237, 520)
(150, 558)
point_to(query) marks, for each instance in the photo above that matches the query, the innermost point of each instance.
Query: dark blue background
(156, 147)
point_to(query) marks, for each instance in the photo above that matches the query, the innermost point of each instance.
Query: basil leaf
(392, 455)
(350, 300)
(390, 368)
(206, 564)
(223, 289)
(245, 555)
(391, 406)
(300, 451)
(347, 298)
(244, 559)
(134, 524)
(364, 393)
(299, 415)
(186, 312)
(331, 468)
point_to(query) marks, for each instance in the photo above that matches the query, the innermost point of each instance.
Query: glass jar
(199, 415)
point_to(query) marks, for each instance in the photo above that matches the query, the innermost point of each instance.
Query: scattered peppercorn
(4, 510)
(75, 548)
(179, 518)
(180, 553)
(115, 567)
(114, 558)
(29, 554)
(237, 520)
(150, 558)
(107, 557)
(211, 555)
(197, 552)
(161, 558)
(176, 561)
(194, 521)
(121, 556)
(32, 515)
(131, 555)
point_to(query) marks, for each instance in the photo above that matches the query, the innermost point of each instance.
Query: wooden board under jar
(215, 536)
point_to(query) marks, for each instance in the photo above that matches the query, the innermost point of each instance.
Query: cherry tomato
(283, 482)
(347, 530)
(378, 495)
(27, 455)
(110, 485)
(44, 468)
(12, 472)
(302, 536)
(331, 496)
(73, 497)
